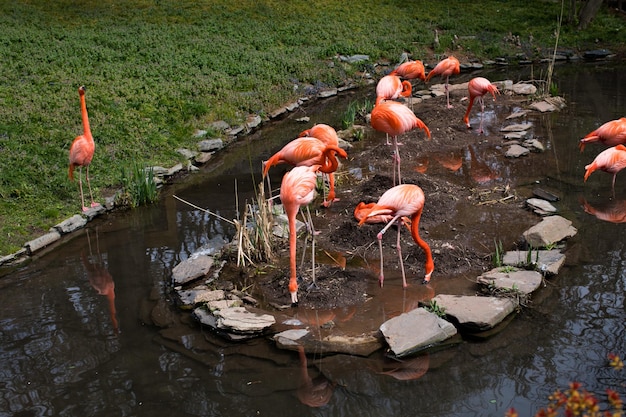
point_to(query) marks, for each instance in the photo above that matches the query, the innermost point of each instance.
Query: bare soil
(470, 204)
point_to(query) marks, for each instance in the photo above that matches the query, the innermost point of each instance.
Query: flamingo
(611, 160)
(391, 87)
(297, 189)
(399, 201)
(327, 135)
(362, 210)
(610, 133)
(81, 152)
(306, 151)
(477, 88)
(410, 70)
(446, 68)
(395, 119)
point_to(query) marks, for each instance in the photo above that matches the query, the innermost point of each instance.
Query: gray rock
(516, 151)
(42, 241)
(400, 334)
(476, 313)
(533, 145)
(512, 279)
(550, 230)
(186, 153)
(70, 225)
(517, 115)
(210, 145)
(175, 169)
(278, 112)
(240, 320)
(523, 88)
(354, 58)
(540, 206)
(518, 127)
(220, 125)
(200, 295)
(546, 195)
(253, 121)
(546, 261)
(327, 93)
(543, 106)
(191, 268)
(199, 133)
(596, 54)
(361, 345)
(290, 339)
(515, 135)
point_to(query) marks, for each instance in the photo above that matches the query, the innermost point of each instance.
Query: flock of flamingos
(315, 151)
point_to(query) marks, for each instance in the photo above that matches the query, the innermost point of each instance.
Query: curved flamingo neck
(415, 224)
(83, 111)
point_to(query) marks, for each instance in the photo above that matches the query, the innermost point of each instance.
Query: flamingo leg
(93, 203)
(448, 93)
(482, 112)
(80, 187)
(379, 236)
(312, 230)
(399, 249)
(397, 159)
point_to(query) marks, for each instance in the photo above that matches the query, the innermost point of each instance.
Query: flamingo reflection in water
(314, 392)
(100, 278)
(613, 211)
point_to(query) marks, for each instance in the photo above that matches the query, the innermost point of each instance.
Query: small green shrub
(139, 186)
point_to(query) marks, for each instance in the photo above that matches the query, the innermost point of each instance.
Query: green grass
(157, 70)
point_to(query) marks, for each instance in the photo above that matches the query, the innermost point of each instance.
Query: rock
(524, 88)
(400, 334)
(517, 115)
(541, 207)
(519, 127)
(194, 267)
(199, 295)
(42, 241)
(543, 106)
(515, 151)
(278, 112)
(550, 230)
(327, 93)
(354, 58)
(186, 153)
(546, 261)
(546, 195)
(210, 145)
(70, 225)
(512, 279)
(476, 313)
(253, 121)
(240, 320)
(533, 145)
(174, 170)
(203, 158)
(198, 133)
(361, 345)
(515, 135)
(596, 54)
(220, 126)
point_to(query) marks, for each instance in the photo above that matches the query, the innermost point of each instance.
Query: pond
(72, 345)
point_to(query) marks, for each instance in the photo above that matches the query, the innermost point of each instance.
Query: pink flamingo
(410, 70)
(399, 201)
(446, 68)
(611, 160)
(297, 189)
(327, 135)
(477, 88)
(81, 152)
(395, 119)
(610, 134)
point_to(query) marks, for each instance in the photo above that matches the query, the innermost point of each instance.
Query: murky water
(61, 352)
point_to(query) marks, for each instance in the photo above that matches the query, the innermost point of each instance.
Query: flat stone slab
(241, 320)
(42, 241)
(192, 268)
(550, 230)
(546, 261)
(515, 151)
(70, 225)
(476, 313)
(360, 345)
(512, 279)
(200, 295)
(414, 331)
(541, 207)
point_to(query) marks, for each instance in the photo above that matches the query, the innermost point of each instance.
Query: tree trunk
(587, 12)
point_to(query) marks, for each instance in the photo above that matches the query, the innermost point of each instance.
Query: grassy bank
(157, 70)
